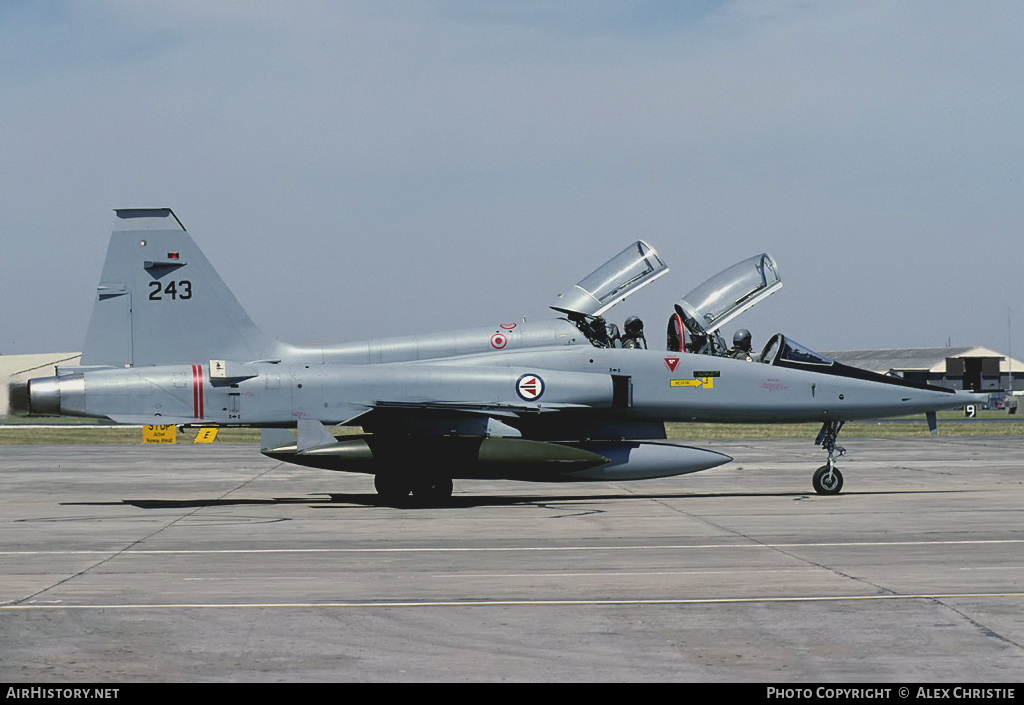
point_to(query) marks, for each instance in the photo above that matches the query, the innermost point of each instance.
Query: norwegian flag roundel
(529, 387)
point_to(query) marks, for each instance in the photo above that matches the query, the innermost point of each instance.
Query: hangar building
(974, 368)
(21, 368)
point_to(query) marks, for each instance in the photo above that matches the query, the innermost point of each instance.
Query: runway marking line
(486, 549)
(522, 603)
(524, 576)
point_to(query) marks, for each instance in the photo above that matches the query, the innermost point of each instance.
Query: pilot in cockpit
(741, 345)
(634, 336)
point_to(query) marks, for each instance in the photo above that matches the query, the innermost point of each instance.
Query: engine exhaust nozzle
(17, 399)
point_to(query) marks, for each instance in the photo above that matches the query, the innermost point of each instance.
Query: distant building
(975, 368)
(21, 368)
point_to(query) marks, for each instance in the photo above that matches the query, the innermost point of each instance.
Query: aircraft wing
(481, 418)
(149, 420)
(481, 407)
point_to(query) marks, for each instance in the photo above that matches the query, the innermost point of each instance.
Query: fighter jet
(570, 399)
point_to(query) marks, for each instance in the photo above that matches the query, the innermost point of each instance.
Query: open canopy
(634, 267)
(731, 292)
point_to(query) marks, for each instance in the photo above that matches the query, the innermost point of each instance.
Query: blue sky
(364, 169)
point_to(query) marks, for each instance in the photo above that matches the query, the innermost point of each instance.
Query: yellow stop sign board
(159, 434)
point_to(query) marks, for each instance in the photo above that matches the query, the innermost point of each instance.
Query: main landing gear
(827, 479)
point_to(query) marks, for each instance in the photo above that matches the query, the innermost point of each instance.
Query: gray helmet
(634, 326)
(741, 339)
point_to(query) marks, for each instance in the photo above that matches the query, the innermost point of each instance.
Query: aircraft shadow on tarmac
(369, 499)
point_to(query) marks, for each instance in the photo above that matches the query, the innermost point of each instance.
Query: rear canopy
(634, 267)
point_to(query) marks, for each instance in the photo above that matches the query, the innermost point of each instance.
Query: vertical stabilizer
(160, 302)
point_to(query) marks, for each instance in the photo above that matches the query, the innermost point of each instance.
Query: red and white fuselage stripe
(197, 391)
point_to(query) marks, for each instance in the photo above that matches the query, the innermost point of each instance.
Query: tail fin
(160, 302)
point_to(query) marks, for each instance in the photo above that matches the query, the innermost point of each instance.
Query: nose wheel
(827, 479)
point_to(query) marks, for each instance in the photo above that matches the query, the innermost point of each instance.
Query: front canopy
(731, 292)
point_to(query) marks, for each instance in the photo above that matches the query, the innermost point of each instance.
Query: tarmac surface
(213, 563)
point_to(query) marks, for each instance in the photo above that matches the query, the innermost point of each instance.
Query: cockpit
(785, 352)
(697, 319)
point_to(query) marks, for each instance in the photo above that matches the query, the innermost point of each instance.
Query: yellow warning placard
(704, 382)
(206, 435)
(159, 434)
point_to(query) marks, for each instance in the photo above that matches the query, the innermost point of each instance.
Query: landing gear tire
(433, 491)
(827, 480)
(391, 489)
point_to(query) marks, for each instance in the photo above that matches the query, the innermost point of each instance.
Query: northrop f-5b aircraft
(571, 399)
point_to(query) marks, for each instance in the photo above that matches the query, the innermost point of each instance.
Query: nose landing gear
(827, 479)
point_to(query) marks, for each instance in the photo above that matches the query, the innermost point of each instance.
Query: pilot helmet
(741, 339)
(634, 326)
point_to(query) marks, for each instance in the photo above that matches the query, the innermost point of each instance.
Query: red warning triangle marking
(671, 363)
